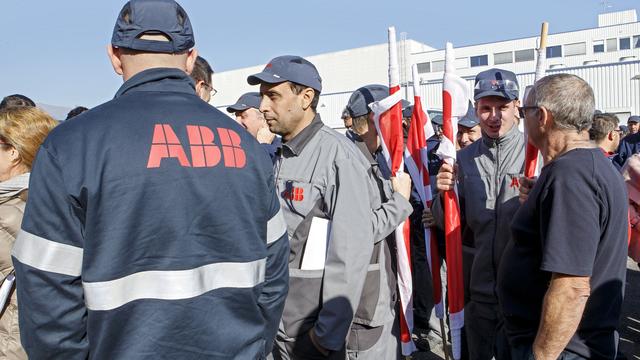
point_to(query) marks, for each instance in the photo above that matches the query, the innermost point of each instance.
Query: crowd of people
(155, 226)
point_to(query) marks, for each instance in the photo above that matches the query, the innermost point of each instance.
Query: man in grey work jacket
(324, 188)
(375, 330)
(487, 177)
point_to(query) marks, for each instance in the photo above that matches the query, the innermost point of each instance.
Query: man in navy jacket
(153, 229)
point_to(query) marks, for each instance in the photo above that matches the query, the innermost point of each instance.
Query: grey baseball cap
(469, 120)
(633, 119)
(152, 17)
(496, 82)
(360, 99)
(288, 68)
(246, 101)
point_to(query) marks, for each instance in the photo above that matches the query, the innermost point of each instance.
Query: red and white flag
(417, 163)
(455, 101)
(388, 120)
(532, 156)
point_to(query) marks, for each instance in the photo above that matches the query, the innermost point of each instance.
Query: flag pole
(418, 166)
(531, 152)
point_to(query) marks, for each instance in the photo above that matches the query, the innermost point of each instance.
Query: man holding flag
(375, 329)
(487, 177)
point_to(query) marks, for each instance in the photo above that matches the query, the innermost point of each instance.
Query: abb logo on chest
(205, 152)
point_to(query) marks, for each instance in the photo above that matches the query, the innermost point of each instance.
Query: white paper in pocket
(315, 251)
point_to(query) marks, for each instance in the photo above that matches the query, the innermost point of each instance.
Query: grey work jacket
(319, 173)
(488, 186)
(377, 304)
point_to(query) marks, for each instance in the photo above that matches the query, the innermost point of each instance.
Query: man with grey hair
(561, 280)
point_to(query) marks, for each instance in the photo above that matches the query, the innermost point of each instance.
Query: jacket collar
(510, 137)
(158, 79)
(300, 141)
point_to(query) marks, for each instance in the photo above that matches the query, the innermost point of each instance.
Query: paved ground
(630, 321)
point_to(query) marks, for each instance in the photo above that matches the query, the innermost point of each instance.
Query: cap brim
(468, 124)
(237, 107)
(264, 77)
(501, 94)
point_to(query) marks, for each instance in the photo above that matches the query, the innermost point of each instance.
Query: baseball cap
(144, 17)
(437, 119)
(360, 99)
(407, 111)
(496, 82)
(469, 120)
(288, 68)
(633, 119)
(246, 101)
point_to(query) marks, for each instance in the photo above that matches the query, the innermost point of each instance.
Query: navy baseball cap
(469, 120)
(246, 101)
(360, 99)
(633, 119)
(153, 17)
(407, 111)
(437, 119)
(496, 82)
(288, 68)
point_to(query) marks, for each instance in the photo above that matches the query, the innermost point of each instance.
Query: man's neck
(306, 120)
(559, 142)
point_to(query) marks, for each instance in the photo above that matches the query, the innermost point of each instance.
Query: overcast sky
(54, 51)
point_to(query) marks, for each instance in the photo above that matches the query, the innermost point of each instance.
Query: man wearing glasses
(201, 75)
(487, 177)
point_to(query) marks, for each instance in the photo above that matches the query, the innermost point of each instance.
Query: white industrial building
(607, 57)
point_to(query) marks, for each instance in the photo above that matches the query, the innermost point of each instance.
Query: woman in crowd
(22, 130)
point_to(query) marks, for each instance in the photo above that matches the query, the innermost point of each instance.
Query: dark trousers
(484, 332)
(525, 353)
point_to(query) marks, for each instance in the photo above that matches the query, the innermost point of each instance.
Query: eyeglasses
(210, 89)
(523, 109)
(501, 85)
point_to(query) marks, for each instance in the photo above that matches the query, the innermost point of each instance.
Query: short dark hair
(297, 89)
(16, 100)
(202, 71)
(76, 111)
(602, 125)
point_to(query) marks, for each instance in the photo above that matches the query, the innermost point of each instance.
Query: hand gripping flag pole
(417, 162)
(532, 155)
(388, 120)
(454, 106)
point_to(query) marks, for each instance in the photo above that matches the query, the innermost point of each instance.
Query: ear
(114, 57)
(191, 60)
(610, 135)
(307, 97)
(199, 87)
(545, 118)
(14, 156)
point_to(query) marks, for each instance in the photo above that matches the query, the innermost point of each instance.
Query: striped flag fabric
(532, 157)
(388, 121)
(455, 102)
(417, 163)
